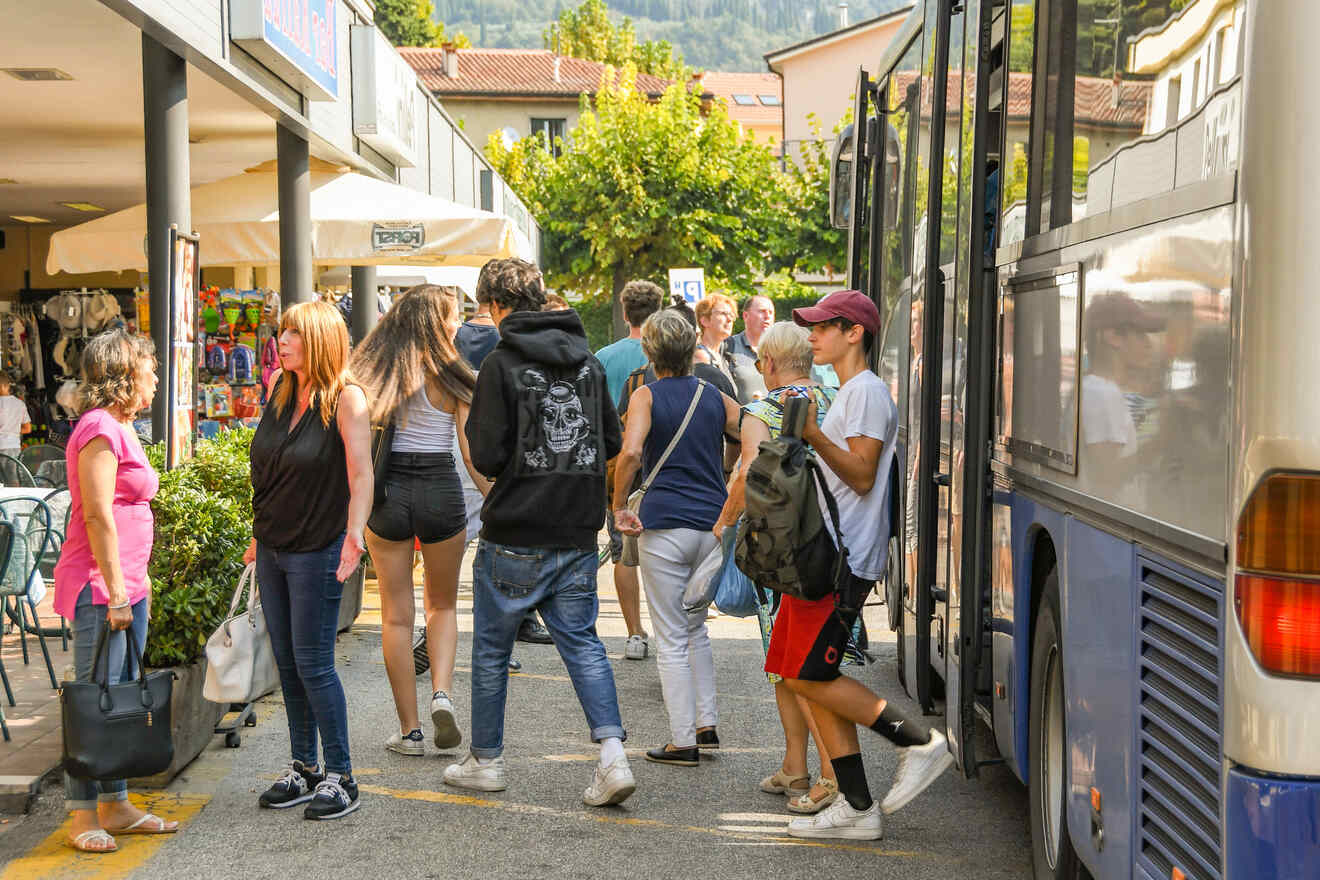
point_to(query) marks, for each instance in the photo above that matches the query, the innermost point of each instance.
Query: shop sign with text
(298, 39)
(386, 100)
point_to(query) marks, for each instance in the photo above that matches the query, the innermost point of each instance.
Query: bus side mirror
(841, 179)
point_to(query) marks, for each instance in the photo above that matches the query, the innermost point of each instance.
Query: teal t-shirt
(619, 359)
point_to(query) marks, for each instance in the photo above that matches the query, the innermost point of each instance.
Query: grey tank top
(420, 427)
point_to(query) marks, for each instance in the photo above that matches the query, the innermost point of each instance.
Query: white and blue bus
(1088, 226)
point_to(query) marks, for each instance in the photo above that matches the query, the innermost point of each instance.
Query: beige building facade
(820, 75)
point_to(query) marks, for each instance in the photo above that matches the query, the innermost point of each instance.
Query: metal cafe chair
(30, 522)
(14, 473)
(6, 546)
(46, 461)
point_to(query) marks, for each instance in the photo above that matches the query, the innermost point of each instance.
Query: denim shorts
(423, 499)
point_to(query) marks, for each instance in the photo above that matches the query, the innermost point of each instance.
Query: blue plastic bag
(735, 594)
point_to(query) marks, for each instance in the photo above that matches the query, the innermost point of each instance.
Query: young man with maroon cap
(855, 447)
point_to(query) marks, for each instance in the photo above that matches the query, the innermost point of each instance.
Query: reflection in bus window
(1142, 69)
(1017, 115)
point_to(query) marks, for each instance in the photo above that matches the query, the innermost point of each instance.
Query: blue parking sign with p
(688, 283)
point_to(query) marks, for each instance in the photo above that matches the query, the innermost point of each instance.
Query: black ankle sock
(851, 776)
(900, 730)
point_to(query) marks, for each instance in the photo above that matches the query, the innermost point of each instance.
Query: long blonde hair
(409, 346)
(325, 354)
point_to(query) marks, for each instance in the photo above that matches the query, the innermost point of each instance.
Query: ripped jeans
(507, 582)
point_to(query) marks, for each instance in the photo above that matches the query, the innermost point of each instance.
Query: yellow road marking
(52, 858)
(464, 800)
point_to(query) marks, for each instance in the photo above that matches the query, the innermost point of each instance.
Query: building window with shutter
(552, 132)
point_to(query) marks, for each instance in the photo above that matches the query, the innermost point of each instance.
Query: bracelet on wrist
(124, 604)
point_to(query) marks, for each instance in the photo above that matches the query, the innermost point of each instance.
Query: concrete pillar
(366, 307)
(165, 118)
(295, 184)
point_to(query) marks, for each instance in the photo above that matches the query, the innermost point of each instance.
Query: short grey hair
(668, 341)
(787, 344)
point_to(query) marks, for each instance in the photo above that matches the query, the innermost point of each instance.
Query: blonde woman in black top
(311, 494)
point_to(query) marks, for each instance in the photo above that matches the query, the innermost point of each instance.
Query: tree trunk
(620, 325)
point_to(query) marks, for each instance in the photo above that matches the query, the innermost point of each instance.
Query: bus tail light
(1277, 595)
(1281, 620)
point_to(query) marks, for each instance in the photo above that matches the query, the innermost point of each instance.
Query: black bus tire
(1053, 856)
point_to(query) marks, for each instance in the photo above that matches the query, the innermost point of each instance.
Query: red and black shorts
(809, 638)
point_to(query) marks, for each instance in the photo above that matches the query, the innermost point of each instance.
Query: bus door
(968, 363)
(929, 413)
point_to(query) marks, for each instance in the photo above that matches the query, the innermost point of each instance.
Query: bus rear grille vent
(1180, 723)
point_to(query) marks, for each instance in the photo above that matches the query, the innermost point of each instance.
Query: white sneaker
(918, 767)
(840, 820)
(476, 775)
(410, 744)
(636, 648)
(610, 785)
(447, 734)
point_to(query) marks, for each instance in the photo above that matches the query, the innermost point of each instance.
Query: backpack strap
(678, 435)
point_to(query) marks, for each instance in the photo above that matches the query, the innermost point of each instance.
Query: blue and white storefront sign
(386, 99)
(688, 283)
(297, 39)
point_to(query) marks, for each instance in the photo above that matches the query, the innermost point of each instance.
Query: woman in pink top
(101, 578)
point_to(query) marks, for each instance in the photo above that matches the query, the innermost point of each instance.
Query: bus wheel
(1052, 851)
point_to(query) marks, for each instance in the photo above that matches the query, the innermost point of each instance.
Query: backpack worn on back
(783, 544)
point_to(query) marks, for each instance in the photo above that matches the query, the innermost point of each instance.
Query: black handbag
(117, 731)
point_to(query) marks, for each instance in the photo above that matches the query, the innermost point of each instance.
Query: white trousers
(687, 667)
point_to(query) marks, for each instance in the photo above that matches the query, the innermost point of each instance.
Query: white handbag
(240, 665)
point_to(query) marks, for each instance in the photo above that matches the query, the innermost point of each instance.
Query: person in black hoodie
(541, 427)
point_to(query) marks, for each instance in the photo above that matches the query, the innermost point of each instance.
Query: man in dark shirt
(541, 428)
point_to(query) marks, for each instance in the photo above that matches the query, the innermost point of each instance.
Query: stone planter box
(351, 605)
(192, 719)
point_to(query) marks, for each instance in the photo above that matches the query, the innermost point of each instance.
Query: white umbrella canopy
(356, 221)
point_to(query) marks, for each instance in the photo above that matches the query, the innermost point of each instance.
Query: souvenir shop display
(237, 352)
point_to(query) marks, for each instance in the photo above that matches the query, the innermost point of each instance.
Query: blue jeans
(300, 596)
(508, 582)
(89, 621)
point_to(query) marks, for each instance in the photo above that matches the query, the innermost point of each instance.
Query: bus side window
(1123, 82)
(1016, 106)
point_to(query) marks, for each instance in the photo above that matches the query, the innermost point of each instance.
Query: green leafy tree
(643, 186)
(587, 32)
(409, 23)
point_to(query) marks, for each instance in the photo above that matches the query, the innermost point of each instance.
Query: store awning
(356, 221)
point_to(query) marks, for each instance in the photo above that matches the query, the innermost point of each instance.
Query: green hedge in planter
(203, 515)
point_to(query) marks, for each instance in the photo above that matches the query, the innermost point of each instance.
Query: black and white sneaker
(292, 788)
(336, 796)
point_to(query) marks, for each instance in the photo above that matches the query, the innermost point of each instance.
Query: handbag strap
(673, 443)
(101, 642)
(244, 580)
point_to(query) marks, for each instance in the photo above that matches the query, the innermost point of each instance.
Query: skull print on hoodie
(542, 427)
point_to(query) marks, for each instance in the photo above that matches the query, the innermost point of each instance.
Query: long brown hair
(409, 346)
(325, 353)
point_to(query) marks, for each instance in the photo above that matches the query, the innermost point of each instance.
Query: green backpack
(783, 544)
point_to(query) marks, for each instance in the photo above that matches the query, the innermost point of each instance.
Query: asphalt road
(710, 821)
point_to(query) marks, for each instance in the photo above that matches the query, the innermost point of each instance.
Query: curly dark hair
(641, 299)
(512, 284)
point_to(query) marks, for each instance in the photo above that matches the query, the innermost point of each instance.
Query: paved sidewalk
(36, 742)
(709, 821)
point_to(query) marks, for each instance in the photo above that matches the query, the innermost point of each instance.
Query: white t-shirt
(13, 416)
(862, 409)
(1105, 415)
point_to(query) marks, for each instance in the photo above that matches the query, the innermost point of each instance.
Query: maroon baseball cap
(851, 304)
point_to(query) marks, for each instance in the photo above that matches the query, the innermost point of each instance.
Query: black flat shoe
(514, 665)
(678, 757)
(707, 739)
(531, 632)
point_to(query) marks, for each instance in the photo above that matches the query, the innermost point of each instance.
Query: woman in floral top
(786, 363)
